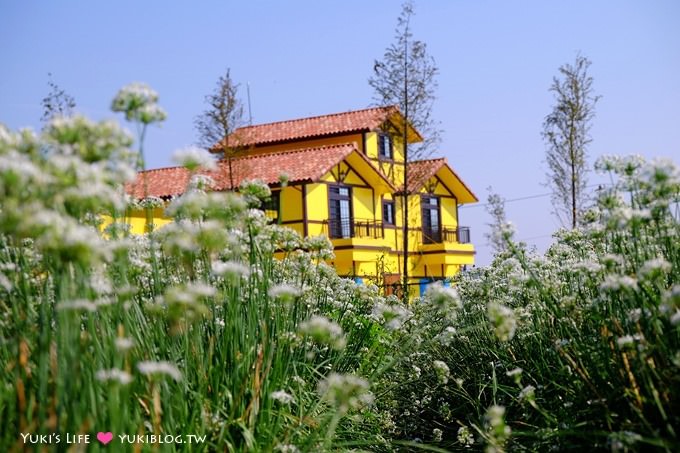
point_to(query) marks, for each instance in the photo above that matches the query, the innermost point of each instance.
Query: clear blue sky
(496, 58)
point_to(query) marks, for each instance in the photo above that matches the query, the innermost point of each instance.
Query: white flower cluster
(284, 292)
(324, 331)
(282, 397)
(345, 391)
(442, 371)
(445, 299)
(392, 316)
(139, 103)
(114, 375)
(231, 271)
(502, 321)
(150, 368)
(193, 158)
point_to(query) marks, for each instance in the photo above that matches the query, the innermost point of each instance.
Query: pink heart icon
(104, 438)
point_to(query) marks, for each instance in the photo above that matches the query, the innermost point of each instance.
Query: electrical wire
(528, 197)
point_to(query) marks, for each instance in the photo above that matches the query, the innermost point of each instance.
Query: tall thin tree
(495, 207)
(222, 117)
(406, 77)
(566, 131)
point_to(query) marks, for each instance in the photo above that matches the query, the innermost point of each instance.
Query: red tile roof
(301, 165)
(317, 126)
(422, 170)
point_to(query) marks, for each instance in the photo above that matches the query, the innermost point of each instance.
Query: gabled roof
(317, 127)
(421, 171)
(301, 165)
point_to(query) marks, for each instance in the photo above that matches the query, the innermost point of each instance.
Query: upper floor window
(432, 229)
(385, 148)
(340, 211)
(388, 212)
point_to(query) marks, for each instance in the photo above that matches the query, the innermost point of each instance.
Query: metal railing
(445, 234)
(367, 228)
(353, 228)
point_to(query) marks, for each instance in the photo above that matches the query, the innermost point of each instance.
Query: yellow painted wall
(291, 203)
(364, 256)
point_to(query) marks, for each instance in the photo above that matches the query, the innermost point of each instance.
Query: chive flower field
(195, 337)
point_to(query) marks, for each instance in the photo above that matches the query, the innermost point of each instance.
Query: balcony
(446, 233)
(353, 228)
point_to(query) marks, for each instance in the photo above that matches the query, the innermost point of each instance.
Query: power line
(528, 197)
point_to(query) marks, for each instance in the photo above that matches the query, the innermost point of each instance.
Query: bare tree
(222, 117)
(495, 207)
(406, 76)
(57, 103)
(566, 131)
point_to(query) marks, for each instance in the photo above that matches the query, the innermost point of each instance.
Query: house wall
(304, 207)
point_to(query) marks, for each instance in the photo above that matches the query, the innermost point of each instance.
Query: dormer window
(385, 151)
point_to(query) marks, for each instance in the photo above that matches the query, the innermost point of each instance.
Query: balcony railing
(445, 234)
(355, 228)
(367, 228)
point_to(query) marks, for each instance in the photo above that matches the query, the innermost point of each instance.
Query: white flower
(231, 270)
(495, 420)
(5, 283)
(284, 292)
(442, 370)
(150, 368)
(201, 182)
(345, 391)
(124, 344)
(654, 267)
(114, 374)
(254, 192)
(635, 314)
(437, 435)
(138, 102)
(282, 397)
(445, 300)
(78, 304)
(286, 448)
(188, 294)
(502, 320)
(527, 393)
(447, 336)
(324, 331)
(675, 318)
(614, 282)
(192, 158)
(516, 374)
(465, 437)
(627, 341)
(611, 259)
(392, 316)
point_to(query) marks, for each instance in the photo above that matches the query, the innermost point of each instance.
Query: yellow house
(345, 176)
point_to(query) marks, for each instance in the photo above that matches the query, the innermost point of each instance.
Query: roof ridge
(384, 107)
(428, 160)
(149, 170)
(298, 150)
